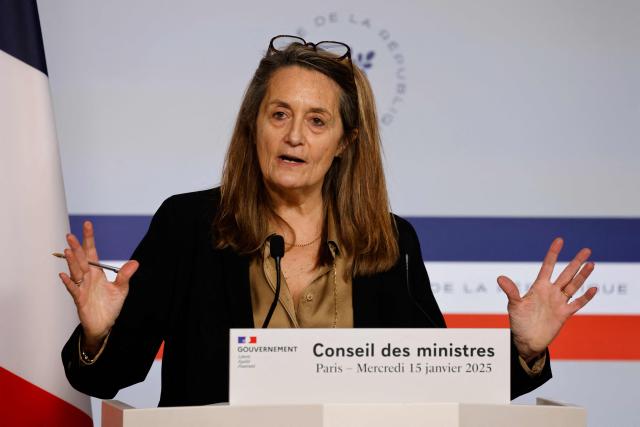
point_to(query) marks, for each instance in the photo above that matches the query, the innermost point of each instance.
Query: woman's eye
(279, 115)
(317, 121)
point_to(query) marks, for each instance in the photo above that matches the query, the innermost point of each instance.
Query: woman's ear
(346, 141)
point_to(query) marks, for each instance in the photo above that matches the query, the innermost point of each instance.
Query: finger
(75, 269)
(125, 273)
(78, 253)
(572, 268)
(580, 302)
(579, 279)
(89, 241)
(509, 288)
(72, 288)
(550, 259)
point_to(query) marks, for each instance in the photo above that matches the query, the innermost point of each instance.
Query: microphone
(415, 301)
(276, 249)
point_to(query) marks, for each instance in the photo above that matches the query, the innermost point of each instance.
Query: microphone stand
(276, 250)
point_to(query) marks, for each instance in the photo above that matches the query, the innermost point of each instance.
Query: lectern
(546, 413)
(362, 378)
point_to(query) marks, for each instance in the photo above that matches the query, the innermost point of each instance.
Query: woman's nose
(295, 136)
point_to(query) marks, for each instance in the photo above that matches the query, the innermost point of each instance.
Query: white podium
(546, 413)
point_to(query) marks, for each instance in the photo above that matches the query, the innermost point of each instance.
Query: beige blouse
(326, 302)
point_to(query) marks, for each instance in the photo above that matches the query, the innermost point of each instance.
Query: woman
(304, 162)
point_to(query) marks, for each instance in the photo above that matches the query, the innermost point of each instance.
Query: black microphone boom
(276, 250)
(410, 292)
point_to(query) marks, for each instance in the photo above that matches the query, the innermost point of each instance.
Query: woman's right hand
(97, 300)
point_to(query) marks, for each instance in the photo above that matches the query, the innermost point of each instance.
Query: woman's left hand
(537, 317)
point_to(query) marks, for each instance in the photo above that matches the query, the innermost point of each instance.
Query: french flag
(37, 313)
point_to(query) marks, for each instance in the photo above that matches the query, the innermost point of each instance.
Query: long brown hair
(354, 189)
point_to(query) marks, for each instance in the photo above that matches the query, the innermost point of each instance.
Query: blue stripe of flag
(442, 238)
(20, 34)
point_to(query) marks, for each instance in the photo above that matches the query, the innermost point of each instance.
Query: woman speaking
(304, 163)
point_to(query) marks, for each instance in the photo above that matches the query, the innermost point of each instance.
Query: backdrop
(504, 123)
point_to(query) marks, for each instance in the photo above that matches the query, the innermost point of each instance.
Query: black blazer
(188, 294)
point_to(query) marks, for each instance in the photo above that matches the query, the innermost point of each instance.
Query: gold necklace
(335, 296)
(302, 245)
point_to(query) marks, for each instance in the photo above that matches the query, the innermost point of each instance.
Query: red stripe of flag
(584, 337)
(25, 404)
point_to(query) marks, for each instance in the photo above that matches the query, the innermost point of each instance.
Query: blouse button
(309, 297)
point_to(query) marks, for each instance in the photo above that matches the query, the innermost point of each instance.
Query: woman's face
(299, 131)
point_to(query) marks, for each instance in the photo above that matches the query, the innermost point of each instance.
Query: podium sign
(303, 366)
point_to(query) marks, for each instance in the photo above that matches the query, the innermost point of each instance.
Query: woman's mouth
(291, 159)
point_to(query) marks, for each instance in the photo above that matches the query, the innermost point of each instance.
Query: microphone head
(276, 245)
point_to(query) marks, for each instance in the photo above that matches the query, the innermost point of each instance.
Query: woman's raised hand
(537, 317)
(98, 300)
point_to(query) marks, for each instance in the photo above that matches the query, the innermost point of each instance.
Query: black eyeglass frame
(312, 45)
